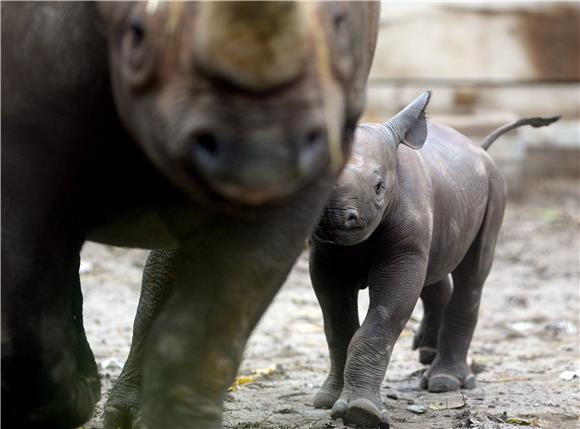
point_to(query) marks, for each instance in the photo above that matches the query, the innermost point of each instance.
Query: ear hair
(409, 126)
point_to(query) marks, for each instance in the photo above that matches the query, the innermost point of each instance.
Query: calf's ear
(409, 126)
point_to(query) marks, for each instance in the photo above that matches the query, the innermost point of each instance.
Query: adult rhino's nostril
(205, 141)
(314, 138)
(205, 151)
(312, 149)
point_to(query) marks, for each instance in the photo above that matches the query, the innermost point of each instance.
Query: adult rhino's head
(247, 101)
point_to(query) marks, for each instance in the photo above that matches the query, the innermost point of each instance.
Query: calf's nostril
(351, 218)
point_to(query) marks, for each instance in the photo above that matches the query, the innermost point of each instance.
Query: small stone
(569, 375)
(393, 395)
(416, 409)
(111, 363)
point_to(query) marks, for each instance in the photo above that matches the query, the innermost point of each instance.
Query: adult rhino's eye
(339, 22)
(136, 34)
(341, 39)
(134, 44)
(136, 53)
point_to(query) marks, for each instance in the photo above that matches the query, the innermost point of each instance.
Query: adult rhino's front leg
(225, 277)
(224, 282)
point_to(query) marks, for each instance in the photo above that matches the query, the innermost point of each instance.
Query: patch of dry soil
(526, 338)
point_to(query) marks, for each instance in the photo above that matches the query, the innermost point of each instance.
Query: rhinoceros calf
(404, 222)
(200, 128)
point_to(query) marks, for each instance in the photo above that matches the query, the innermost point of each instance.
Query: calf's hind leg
(449, 371)
(435, 298)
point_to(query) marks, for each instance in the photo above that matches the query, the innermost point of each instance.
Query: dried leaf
(251, 378)
(550, 215)
(517, 421)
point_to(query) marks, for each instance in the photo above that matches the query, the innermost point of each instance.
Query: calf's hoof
(361, 413)
(442, 382)
(325, 399)
(339, 409)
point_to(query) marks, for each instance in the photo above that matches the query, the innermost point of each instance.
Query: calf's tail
(534, 122)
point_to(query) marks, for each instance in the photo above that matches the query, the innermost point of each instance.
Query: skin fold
(415, 213)
(125, 123)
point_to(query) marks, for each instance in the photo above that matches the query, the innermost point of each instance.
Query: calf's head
(368, 183)
(238, 100)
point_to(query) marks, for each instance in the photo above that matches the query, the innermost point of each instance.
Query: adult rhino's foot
(442, 377)
(363, 411)
(122, 408)
(426, 341)
(68, 405)
(328, 393)
(119, 417)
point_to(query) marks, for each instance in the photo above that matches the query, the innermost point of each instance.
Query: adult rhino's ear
(409, 126)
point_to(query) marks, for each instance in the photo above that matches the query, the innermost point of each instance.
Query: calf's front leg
(395, 282)
(336, 288)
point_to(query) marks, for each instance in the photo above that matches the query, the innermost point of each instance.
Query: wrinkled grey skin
(405, 223)
(125, 123)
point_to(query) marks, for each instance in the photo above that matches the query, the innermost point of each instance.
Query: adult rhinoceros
(199, 127)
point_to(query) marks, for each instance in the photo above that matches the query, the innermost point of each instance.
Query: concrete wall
(486, 63)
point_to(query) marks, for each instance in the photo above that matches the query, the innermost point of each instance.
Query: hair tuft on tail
(535, 122)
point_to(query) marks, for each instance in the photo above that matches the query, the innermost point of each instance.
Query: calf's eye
(379, 187)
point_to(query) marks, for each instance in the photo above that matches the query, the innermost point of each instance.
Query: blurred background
(487, 64)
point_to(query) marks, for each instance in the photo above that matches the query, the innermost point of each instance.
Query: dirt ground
(525, 348)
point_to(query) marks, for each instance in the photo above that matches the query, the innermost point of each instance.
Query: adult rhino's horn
(254, 45)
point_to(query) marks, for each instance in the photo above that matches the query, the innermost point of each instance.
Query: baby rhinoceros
(407, 223)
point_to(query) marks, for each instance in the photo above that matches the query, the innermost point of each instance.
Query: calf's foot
(447, 377)
(426, 341)
(328, 393)
(362, 410)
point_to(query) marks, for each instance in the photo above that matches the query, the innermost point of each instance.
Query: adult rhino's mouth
(253, 175)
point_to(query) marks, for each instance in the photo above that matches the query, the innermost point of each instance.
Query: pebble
(416, 409)
(569, 375)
